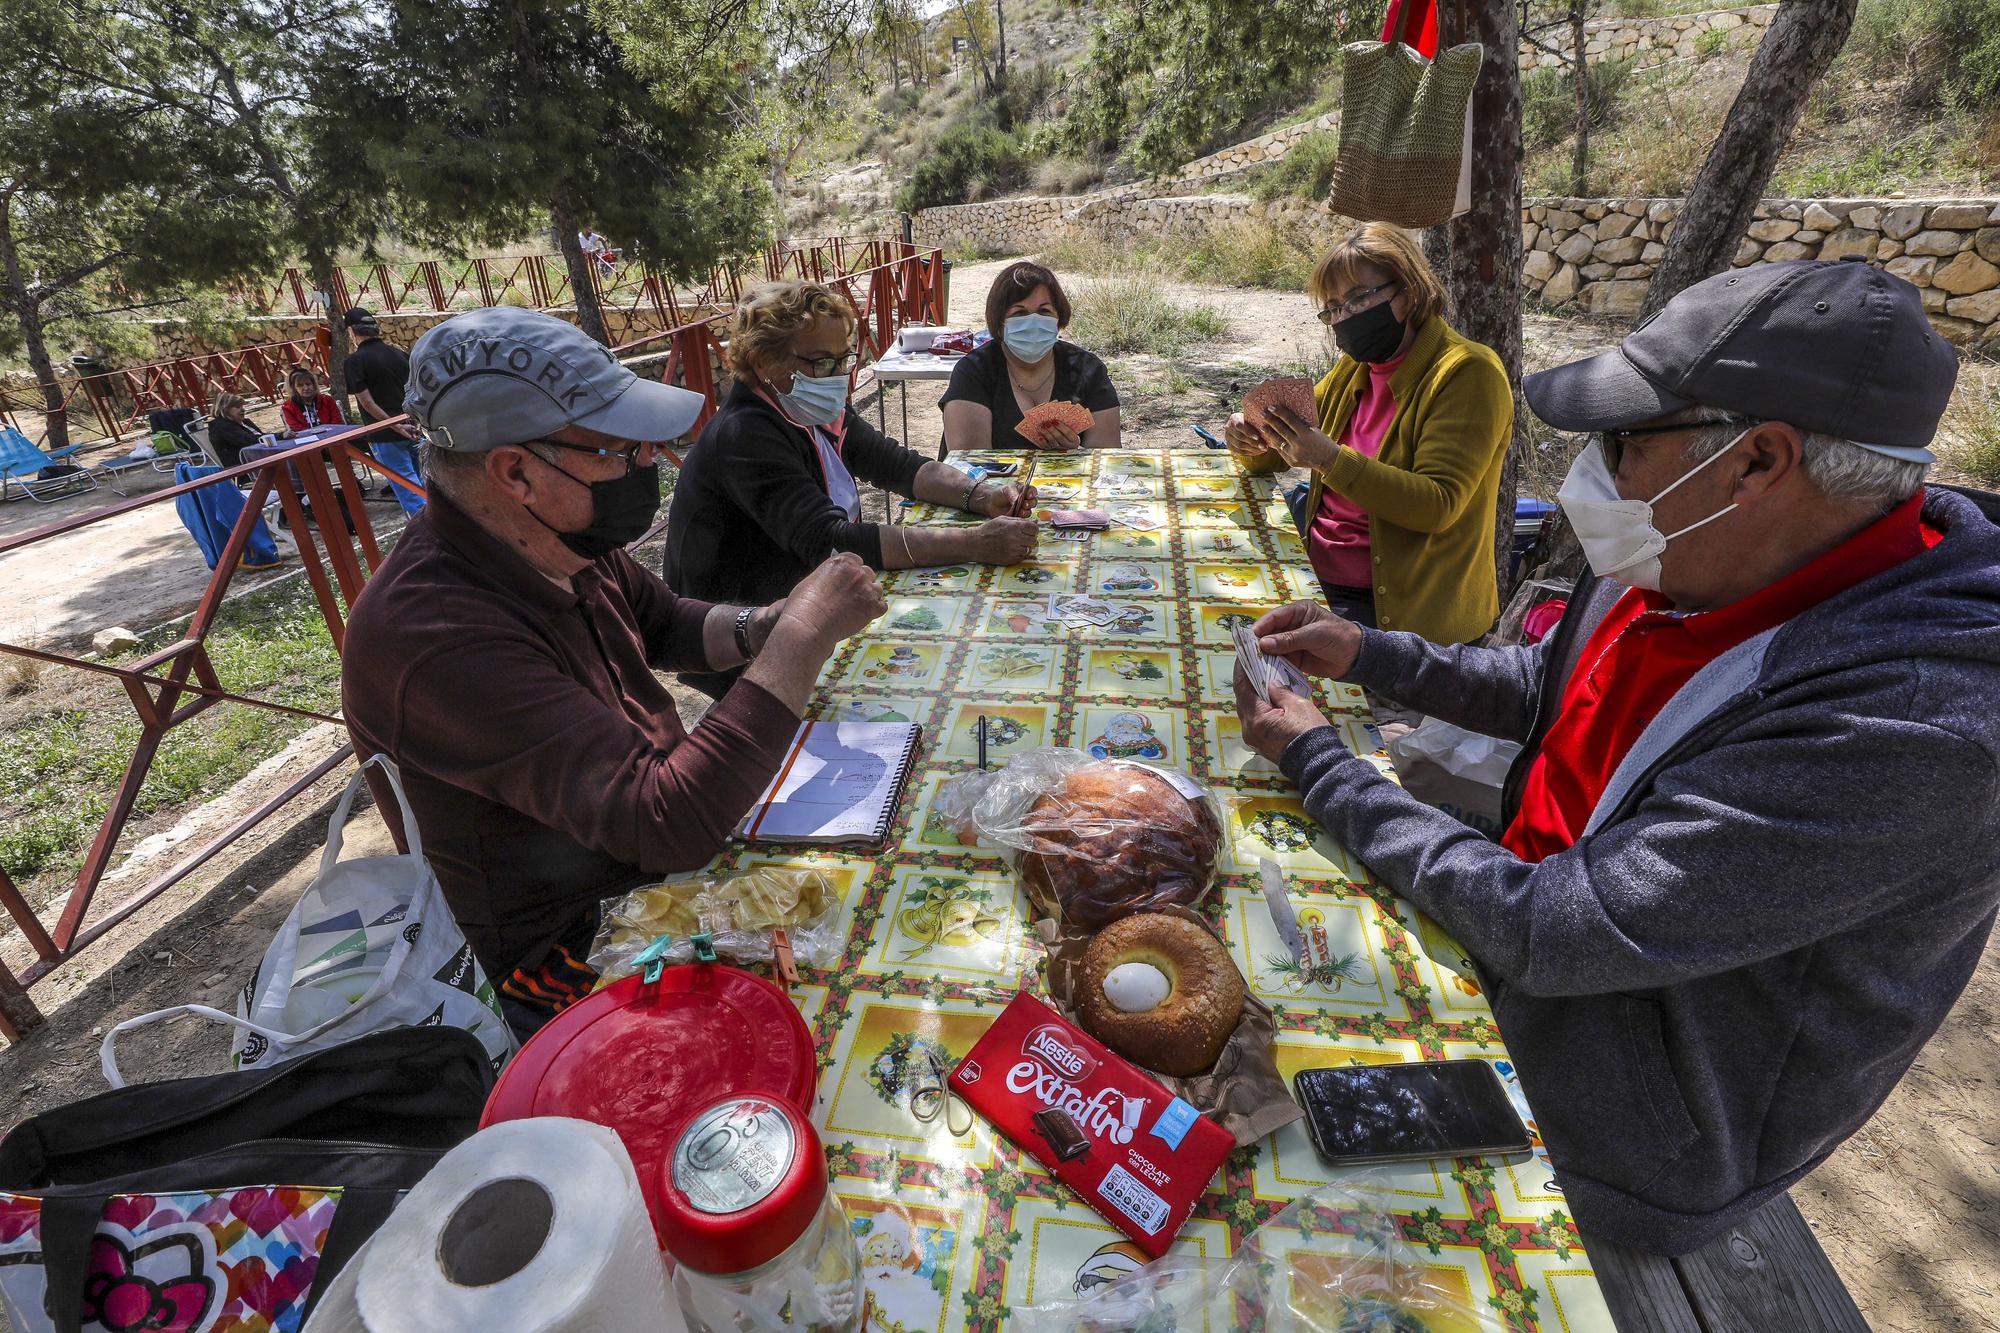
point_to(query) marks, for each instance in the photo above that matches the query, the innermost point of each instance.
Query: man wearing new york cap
(1753, 854)
(504, 655)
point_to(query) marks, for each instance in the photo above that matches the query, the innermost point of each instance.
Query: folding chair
(21, 465)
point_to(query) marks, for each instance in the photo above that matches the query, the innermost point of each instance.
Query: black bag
(371, 1116)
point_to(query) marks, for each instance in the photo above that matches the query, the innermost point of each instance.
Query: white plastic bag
(369, 945)
(1460, 772)
(1329, 1262)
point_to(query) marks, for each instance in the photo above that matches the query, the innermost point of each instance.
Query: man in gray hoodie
(1752, 854)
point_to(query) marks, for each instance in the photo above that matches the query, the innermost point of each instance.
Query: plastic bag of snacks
(1098, 839)
(1330, 1262)
(738, 912)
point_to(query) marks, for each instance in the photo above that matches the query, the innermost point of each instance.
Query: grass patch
(1132, 314)
(61, 765)
(1304, 172)
(1970, 432)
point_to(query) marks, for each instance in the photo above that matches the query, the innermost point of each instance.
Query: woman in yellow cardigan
(1414, 422)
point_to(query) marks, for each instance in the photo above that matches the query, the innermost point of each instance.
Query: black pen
(982, 740)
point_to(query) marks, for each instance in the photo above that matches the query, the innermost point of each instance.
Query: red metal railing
(118, 400)
(435, 286)
(179, 682)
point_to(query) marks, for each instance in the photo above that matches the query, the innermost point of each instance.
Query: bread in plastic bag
(1330, 1262)
(1097, 839)
(738, 912)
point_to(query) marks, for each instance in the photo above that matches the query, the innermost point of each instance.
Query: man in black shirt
(376, 375)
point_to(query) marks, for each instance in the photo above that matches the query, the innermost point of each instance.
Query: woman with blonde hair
(1414, 423)
(770, 488)
(229, 429)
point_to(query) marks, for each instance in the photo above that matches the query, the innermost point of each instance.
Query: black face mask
(1373, 335)
(621, 510)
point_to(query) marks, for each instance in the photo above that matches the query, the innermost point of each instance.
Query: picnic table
(958, 1229)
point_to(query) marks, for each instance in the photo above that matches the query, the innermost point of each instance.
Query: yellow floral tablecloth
(956, 1232)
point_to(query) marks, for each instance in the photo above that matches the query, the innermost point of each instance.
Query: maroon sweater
(545, 763)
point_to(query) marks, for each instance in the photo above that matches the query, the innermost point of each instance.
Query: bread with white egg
(1161, 991)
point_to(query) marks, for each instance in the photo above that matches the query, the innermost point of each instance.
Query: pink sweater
(1338, 541)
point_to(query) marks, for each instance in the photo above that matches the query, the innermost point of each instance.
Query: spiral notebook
(840, 782)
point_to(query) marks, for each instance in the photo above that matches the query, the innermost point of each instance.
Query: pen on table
(982, 740)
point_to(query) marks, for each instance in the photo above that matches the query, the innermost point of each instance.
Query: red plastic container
(640, 1060)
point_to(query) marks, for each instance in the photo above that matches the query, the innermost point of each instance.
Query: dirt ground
(1908, 1210)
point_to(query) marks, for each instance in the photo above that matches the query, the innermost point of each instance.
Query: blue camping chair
(209, 514)
(24, 466)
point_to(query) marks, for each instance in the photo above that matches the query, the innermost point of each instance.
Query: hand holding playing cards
(1004, 541)
(1009, 501)
(1311, 638)
(1301, 443)
(1271, 725)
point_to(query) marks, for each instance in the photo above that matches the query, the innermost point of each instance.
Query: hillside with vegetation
(1101, 92)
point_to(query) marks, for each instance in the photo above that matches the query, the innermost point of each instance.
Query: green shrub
(1117, 315)
(1711, 42)
(1948, 49)
(1248, 253)
(968, 161)
(1548, 100)
(1970, 432)
(1304, 172)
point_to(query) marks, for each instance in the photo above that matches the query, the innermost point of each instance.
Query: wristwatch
(743, 632)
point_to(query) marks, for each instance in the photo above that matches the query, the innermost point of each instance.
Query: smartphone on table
(1398, 1113)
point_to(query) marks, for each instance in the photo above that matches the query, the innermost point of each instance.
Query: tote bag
(1405, 126)
(369, 945)
(225, 1203)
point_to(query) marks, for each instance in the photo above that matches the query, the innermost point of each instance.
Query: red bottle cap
(639, 1060)
(746, 1177)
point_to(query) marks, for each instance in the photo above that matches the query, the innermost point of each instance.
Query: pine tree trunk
(582, 282)
(999, 47)
(319, 267)
(1482, 250)
(1579, 162)
(1799, 46)
(22, 304)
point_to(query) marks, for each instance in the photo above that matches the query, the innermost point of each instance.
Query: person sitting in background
(770, 487)
(1025, 366)
(1754, 843)
(595, 247)
(229, 429)
(1414, 423)
(504, 655)
(305, 406)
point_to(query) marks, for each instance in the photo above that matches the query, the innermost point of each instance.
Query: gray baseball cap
(1836, 347)
(503, 375)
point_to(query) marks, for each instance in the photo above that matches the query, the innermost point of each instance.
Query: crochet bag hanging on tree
(1405, 123)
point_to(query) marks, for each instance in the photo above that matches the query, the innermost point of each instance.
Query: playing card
(1292, 392)
(1073, 534)
(1081, 518)
(1251, 657)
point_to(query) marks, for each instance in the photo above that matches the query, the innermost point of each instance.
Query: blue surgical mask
(1029, 337)
(816, 402)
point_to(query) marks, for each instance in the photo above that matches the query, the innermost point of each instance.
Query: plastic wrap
(738, 912)
(1330, 1262)
(1097, 839)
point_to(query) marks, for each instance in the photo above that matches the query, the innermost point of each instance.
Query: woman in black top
(769, 489)
(229, 432)
(1025, 366)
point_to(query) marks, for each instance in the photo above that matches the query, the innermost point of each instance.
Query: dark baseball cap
(503, 375)
(1836, 347)
(359, 317)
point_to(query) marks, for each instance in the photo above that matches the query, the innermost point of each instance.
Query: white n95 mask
(1618, 535)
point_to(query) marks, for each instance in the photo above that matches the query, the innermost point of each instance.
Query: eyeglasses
(1354, 304)
(630, 457)
(823, 366)
(1612, 442)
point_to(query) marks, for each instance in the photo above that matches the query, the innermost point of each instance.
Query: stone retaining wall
(1596, 255)
(1677, 35)
(1599, 254)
